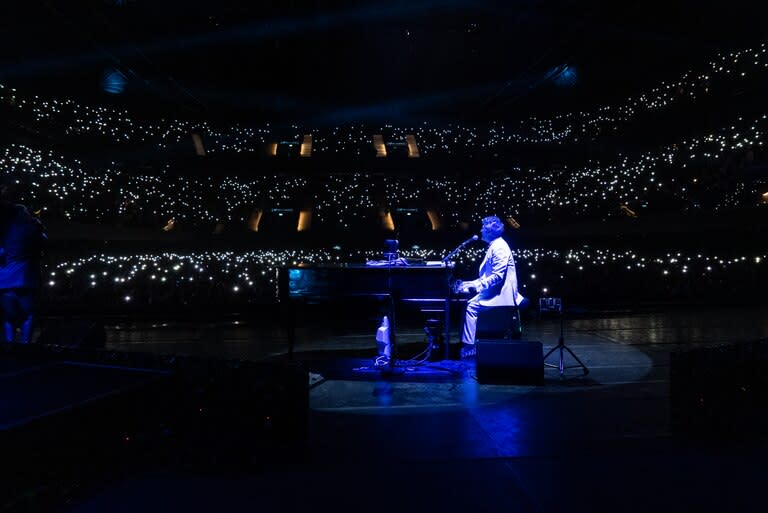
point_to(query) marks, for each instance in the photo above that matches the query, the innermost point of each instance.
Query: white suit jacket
(498, 277)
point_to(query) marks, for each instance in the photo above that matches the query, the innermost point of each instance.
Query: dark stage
(434, 438)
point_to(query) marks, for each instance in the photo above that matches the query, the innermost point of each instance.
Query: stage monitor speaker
(74, 333)
(510, 363)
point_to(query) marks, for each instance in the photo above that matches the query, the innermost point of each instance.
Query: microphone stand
(450, 255)
(391, 254)
(449, 278)
(392, 321)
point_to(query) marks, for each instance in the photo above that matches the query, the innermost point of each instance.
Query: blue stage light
(113, 82)
(567, 77)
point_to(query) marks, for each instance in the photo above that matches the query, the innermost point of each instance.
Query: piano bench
(499, 322)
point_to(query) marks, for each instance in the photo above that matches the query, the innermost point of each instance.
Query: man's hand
(469, 287)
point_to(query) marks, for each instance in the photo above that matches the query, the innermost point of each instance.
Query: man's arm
(499, 262)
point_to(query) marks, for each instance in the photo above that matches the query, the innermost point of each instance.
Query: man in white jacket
(496, 286)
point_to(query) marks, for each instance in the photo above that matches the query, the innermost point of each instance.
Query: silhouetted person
(22, 237)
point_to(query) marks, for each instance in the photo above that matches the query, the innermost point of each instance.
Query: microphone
(447, 257)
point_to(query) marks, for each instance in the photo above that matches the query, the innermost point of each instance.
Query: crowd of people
(716, 172)
(227, 281)
(711, 171)
(721, 71)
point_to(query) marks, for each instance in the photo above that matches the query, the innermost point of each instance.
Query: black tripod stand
(562, 347)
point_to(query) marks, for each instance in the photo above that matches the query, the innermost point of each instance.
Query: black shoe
(468, 351)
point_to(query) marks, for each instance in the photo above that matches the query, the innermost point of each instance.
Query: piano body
(412, 282)
(428, 285)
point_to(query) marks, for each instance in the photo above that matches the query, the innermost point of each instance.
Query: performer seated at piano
(496, 286)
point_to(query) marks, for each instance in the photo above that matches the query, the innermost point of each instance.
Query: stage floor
(600, 442)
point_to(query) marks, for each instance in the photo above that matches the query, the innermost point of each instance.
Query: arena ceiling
(335, 61)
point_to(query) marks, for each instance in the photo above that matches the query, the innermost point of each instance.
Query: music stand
(390, 249)
(390, 252)
(557, 304)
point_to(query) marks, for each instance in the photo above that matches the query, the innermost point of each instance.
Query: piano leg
(392, 334)
(288, 319)
(447, 317)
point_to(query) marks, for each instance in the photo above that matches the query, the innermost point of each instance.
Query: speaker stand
(561, 347)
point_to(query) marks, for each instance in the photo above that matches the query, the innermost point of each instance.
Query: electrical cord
(421, 360)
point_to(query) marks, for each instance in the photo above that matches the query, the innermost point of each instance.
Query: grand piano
(428, 285)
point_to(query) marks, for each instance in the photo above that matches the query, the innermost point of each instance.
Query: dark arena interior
(383, 256)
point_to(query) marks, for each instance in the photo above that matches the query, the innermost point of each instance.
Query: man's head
(492, 228)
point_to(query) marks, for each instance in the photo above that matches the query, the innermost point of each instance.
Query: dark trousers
(18, 311)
